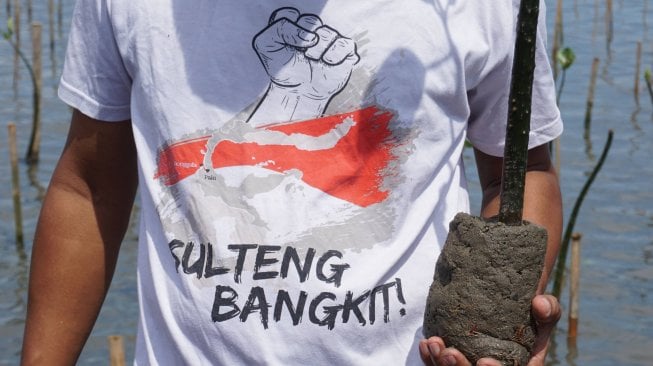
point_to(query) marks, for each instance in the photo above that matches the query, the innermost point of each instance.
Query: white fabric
(330, 130)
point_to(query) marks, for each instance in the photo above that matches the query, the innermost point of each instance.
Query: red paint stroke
(352, 170)
(181, 160)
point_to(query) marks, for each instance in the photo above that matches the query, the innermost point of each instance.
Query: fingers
(341, 50)
(284, 30)
(434, 353)
(289, 13)
(326, 37)
(425, 354)
(546, 311)
(309, 22)
(305, 33)
(488, 362)
(284, 33)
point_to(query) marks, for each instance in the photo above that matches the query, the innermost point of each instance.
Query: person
(298, 165)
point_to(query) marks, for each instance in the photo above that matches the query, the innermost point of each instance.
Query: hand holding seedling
(481, 298)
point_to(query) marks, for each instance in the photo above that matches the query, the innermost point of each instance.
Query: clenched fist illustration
(307, 62)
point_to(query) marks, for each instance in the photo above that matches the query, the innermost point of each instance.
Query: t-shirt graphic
(351, 168)
(287, 137)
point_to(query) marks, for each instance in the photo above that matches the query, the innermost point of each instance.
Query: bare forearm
(71, 271)
(82, 223)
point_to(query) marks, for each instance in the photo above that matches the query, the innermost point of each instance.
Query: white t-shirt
(299, 163)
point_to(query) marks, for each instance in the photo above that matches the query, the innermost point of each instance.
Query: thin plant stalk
(51, 24)
(609, 25)
(565, 58)
(590, 93)
(15, 180)
(647, 78)
(60, 18)
(561, 85)
(519, 116)
(638, 66)
(29, 11)
(17, 55)
(35, 76)
(564, 246)
(32, 175)
(590, 104)
(35, 137)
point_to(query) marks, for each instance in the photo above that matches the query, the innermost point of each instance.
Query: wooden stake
(574, 281)
(590, 95)
(638, 66)
(116, 350)
(54, 33)
(51, 24)
(558, 159)
(595, 19)
(609, 30)
(17, 42)
(15, 180)
(644, 17)
(17, 9)
(576, 9)
(558, 38)
(60, 19)
(35, 138)
(29, 11)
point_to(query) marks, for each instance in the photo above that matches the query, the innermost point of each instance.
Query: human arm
(81, 226)
(542, 206)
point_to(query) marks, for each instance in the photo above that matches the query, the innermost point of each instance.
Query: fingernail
(449, 360)
(486, 362)
(434, 349)
(549, 308)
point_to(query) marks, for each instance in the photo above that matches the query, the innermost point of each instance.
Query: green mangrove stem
(564, 246)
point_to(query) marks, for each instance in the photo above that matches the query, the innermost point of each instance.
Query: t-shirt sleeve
(95, 80)
(489, 102)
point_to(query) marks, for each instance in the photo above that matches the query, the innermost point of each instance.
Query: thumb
(546, 311)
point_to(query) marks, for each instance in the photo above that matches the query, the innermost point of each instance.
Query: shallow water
(616, 220)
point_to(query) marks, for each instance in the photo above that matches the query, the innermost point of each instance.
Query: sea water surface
(616, 219)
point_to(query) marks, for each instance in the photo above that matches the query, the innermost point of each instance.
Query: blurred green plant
(9, 32)
(647, 78)
(565, 58)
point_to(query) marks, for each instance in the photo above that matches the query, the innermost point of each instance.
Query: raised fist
(307, 61)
